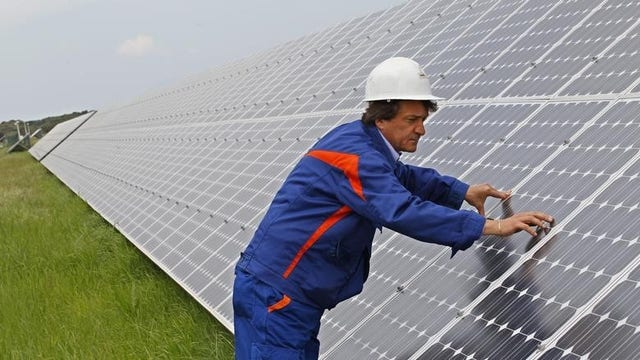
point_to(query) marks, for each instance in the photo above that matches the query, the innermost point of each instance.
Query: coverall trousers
(269, 325)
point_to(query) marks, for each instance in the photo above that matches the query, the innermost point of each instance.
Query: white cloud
(137, 46)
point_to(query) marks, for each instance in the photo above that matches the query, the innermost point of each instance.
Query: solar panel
(58, 134)
(542, 98)
(24, 142)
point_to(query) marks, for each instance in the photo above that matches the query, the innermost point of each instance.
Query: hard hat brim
(419, 98)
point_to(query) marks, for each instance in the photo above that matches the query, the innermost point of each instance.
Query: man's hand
(518, 222)
(477, 195)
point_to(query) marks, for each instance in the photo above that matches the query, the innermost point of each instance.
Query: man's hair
(388, 109)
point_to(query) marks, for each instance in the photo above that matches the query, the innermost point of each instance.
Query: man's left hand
(477, 195)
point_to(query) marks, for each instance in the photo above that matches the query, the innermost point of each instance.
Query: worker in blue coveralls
(312, 249)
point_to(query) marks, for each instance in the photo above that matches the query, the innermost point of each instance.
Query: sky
(60, 56)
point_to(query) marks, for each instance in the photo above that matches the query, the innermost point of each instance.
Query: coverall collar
(381, 144)
(394, 153)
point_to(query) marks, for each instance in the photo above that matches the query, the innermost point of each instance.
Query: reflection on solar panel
(57, 135)
(543, 97)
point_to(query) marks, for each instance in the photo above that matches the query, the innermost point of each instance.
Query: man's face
(404, 130)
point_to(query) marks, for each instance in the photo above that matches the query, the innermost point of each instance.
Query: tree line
(8, 128)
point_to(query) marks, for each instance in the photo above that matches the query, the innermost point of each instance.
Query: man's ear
(380, 124)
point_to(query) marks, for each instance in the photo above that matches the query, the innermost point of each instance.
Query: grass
(72, 287)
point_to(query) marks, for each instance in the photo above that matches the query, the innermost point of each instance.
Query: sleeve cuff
(456, 194)
(473, 227)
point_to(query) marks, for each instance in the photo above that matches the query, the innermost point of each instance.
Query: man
(312, 249)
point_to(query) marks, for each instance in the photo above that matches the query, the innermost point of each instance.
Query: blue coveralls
(312, 248)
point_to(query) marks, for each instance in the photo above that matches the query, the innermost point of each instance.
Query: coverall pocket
(281, 304)
(268, 352)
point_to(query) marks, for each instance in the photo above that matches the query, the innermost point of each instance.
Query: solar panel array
(543, 97)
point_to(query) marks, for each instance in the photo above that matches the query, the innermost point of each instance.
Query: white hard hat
(398, 78)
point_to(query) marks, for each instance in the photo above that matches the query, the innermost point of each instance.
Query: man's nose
(420, 129)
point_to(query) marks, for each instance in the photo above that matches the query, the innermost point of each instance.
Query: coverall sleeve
(385, 201)
(430, 185)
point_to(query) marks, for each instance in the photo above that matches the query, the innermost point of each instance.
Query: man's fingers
(525, 224)
(533, 220)
(542, 216)
(539, 215)
(499, 194)
(528, 221)
(530, 230)
(504, 195)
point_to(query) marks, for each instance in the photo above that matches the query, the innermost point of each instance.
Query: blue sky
(60, 56)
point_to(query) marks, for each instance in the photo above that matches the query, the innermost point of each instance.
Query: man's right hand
(517, 222)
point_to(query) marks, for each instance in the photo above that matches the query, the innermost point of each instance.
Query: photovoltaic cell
(542, 98)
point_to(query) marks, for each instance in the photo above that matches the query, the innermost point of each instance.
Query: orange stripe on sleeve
(328, 223)
(348, 163)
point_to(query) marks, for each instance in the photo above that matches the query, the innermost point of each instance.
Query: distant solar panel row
(543, 98)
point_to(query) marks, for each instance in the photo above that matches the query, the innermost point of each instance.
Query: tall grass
(72, 287)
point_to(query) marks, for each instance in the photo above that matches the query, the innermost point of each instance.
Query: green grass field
(72, 287)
